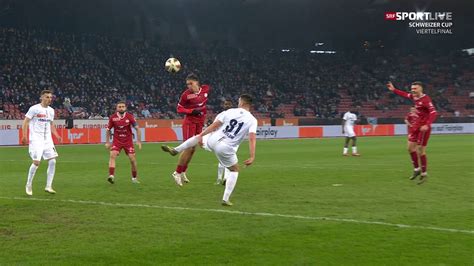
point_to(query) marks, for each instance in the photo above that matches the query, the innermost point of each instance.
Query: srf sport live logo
(419, 16)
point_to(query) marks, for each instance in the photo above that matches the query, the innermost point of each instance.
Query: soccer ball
(172, 65)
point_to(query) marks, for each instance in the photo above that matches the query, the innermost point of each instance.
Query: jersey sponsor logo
(267, 132)
(191, 96)
(44, 120)
(41, 115)
(115, 119)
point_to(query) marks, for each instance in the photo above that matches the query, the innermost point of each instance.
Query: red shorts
(191, 129)
(128, 147)
(420, 137)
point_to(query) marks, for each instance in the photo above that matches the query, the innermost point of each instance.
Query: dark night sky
(262, 23)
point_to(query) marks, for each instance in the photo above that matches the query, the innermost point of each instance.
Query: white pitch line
(290, 165)
(267, 214)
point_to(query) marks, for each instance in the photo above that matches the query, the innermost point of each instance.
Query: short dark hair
(228, 100)
(246, 98)
(121, 102)
(43, 92)
(419, 83)
(192, 76)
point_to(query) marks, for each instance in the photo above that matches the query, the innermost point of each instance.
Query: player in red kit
(420, 127)
(193, 105)
(122, 122)
(410, 119)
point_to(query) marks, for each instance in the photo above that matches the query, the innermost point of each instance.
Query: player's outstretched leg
(231, 181)
(189, 143)
(113, 156)
(412, 150)
(169, 150)
(133, 164)
(50, 176)
(346, 145)
(354, 147)
(31, 175)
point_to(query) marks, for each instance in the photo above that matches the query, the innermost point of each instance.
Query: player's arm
(406, 122)
(252, 148)
(218, 122)
(139, 136)
(397, 91)
(213, 127)
(54, 130)
(432, 116)
(107, 138)
(183, 110)
(252, 142)
(107, 133)
(344, 120)
(26, 123)
(24, 127)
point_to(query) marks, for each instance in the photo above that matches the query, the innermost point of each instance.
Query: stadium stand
(88, 73)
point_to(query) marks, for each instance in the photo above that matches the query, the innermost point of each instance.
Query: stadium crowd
(88, 73)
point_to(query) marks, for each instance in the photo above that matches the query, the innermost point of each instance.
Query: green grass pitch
(276, 219)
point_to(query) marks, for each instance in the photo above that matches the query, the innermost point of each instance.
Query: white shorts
(226, 154)
(38, 149)
(349, 132)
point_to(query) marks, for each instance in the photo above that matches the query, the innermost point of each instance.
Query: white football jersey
(350, 119)
(40, 124)
(236, 124)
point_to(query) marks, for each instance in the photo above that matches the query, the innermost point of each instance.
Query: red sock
(111, 170)
(414, 159)
(185, 167)
(424, 163)
(134, 174)
(179, 169)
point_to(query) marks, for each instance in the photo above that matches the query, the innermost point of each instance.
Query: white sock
(230, 184)
(191, 142)
(226, 173)
(31, 174)
(220, 171)
(345, 150)
(50, 173)
(354, 149)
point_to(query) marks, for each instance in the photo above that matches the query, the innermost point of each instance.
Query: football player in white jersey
(223, 137)
(39, 122)
(348, 121)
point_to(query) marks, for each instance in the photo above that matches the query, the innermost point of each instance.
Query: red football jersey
(190, 101)
(122, 125)
(411, 118)
(425, 109)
